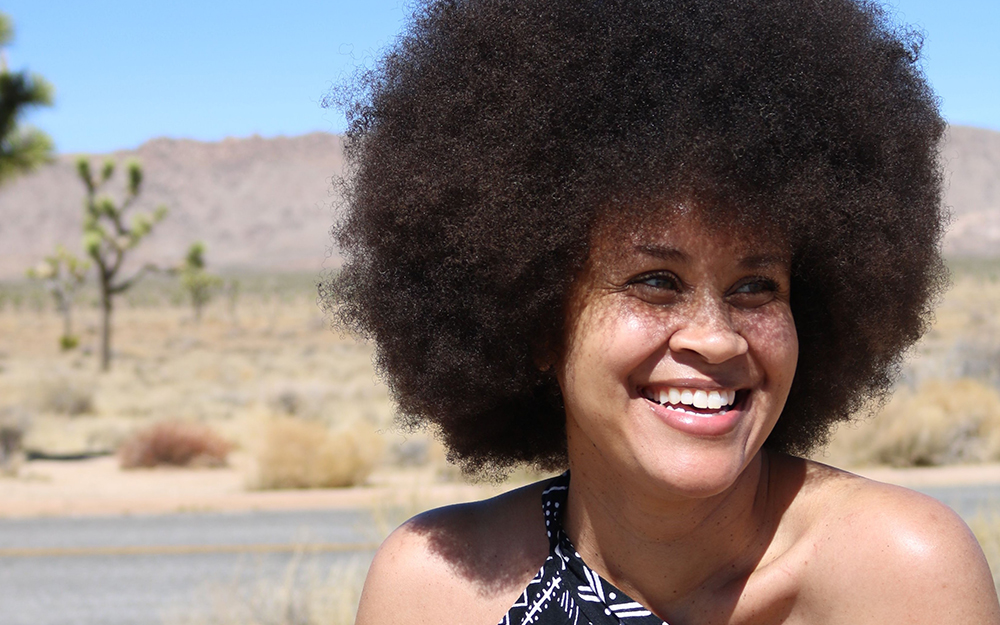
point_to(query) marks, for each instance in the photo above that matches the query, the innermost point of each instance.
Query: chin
(698, 471)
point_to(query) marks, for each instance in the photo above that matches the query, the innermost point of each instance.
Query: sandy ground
(958, 475)
(97, 487)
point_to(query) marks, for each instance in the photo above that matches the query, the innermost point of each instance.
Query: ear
(545, 358)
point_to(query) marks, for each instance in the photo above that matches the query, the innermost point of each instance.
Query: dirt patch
(917, 477)
(97, 486)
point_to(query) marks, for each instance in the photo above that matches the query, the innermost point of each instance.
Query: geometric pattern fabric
(566, 591)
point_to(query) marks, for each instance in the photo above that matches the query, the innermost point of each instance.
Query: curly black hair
(494, 134)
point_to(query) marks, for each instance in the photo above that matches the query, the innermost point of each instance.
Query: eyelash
(663, 281)
(768, 284)
(645, 279)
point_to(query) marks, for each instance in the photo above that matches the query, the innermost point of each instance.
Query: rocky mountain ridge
(256, 203)
(267, 204)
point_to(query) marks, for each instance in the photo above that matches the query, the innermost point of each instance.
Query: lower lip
(717, 424)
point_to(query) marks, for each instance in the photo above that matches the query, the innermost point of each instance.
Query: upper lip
(694, 384)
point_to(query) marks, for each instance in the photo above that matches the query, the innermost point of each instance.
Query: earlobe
(545, 357)
(545, 360)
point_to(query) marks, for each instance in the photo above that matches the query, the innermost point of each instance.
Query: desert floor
(264, 351)
(96, 486)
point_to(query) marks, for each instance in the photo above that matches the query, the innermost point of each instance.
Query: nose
(708, 331)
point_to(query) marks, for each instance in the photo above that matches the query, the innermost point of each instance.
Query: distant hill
(972, 162)
(256, 203)
(267, 203)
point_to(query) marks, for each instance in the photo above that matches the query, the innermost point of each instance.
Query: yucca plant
(200, 285)
(22, 148)
(110, 234)
(63, 274)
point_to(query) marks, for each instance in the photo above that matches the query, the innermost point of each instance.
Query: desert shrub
(942, 422)
(305, 454)
(978, 359)
(305, 400)
(14, 422)
(351, 396)
(62, 394)
(174, 443)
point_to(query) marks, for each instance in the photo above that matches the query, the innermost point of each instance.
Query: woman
(663, 244)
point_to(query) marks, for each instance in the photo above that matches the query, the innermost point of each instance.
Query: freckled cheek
(614, 344)
(637, 337)
(774, 342)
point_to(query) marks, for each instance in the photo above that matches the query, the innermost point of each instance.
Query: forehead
(682, 231)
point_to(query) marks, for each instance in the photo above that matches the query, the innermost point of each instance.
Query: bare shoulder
(459, 564)
(877, 553)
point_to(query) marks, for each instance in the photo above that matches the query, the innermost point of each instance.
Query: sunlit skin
(676, 505)
(682, 306)
(685, 306)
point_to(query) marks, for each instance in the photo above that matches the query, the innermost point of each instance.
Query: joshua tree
(199, 284)
(232, 292)
(108, 237)
(63, 273)
(22, 148)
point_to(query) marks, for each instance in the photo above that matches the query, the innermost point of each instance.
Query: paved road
(154, 569)
(968, 501)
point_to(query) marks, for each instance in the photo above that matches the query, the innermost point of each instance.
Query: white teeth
(711, 400)
(715, 400)
(700, 399)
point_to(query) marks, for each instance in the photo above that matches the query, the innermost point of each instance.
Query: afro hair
(492, 137)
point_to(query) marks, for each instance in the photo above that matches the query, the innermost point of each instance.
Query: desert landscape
(260, 404)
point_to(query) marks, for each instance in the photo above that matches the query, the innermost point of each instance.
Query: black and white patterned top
(565, 590)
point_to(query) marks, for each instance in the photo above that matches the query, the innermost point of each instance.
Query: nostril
(714, 344)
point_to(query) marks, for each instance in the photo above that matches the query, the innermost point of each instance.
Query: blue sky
(126, 72)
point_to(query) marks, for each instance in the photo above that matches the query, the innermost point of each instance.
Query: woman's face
(680, 351)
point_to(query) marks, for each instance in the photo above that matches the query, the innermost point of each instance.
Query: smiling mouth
(694, 401)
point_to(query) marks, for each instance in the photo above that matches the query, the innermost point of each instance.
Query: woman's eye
(755, 292)
(659, 282)
(657, 288)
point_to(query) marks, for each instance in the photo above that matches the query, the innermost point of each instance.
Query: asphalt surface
(968, 501)
(170, 568)
(177, 568)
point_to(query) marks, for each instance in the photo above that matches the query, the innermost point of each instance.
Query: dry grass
(266, 372)
(64, 394)
(305, 595)
(269, 354)
(13, 424)
(947, 408)
(174, 443)
(942, 422)
(292, 453)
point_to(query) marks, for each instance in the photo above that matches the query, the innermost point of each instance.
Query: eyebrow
(662, 252)
(757, 261)
(762, 261)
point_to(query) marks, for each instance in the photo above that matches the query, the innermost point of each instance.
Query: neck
(665, 550)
